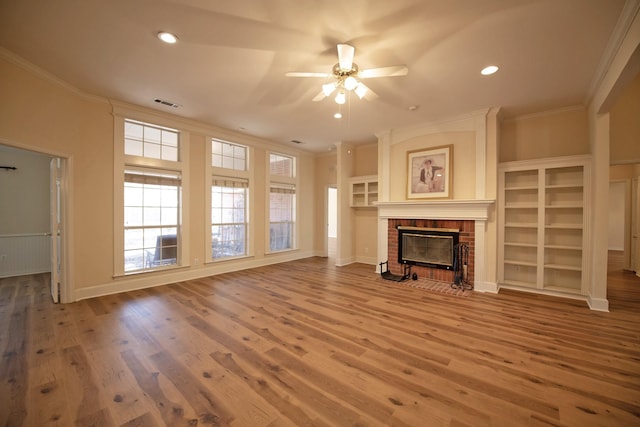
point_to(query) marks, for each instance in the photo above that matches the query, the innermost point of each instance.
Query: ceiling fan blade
(365, 92)
(345, 56)
(319, 97)
(391, 71)
(305, 74)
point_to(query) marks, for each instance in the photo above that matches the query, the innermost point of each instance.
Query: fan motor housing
(338, 72)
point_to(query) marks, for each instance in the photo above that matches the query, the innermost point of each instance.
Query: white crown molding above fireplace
(437, 209)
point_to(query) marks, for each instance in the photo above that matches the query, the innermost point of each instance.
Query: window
(151, 195)
(228, 217)
(282, 202)
(150, 141)
(282, 166)
(228, 169)
(151, 219)
(228, 156)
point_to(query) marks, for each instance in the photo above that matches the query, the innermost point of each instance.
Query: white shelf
(542, 219)
(364, 191)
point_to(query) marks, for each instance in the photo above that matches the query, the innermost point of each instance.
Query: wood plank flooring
(309, 344)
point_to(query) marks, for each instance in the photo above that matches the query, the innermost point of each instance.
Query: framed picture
(429, 173)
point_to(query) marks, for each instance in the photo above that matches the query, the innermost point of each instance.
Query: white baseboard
(598, 304)
(486, 287)
(341, 262)
(366, 260)
(150, 280)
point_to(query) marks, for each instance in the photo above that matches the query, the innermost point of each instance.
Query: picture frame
(429, 173)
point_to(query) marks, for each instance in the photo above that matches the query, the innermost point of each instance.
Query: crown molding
(629, 12)
(47, 76)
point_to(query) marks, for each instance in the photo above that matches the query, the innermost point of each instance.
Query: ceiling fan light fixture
(350, 83)
(341, 97)
(328, 88)
(361, 90)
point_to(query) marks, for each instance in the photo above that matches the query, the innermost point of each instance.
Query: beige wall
(625, 125)
(24, 193)
(40, 114)
(551, 134)
(463, 156)
(366, 160)
(366, 219)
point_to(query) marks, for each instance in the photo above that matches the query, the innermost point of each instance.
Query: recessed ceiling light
(489, 70)
(337, 115)
(167, 37)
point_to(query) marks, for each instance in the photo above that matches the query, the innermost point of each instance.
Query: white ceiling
(228, 68)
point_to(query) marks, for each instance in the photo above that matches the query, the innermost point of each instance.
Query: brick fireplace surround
(467, 236)
(469, 216)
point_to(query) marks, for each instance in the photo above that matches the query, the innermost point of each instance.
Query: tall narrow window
(151, 218)
(151, 196)
(282, 202)
(228, 217)
(229, 200)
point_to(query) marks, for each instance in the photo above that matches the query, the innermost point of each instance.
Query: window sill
(225, 259)
(280, 251)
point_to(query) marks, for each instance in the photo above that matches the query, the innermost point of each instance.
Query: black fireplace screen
(427, 246)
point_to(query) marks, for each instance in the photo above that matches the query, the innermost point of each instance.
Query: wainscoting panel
(24, 254)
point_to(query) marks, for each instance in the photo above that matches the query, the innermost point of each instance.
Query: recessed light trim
(167, 37)
(491, 69)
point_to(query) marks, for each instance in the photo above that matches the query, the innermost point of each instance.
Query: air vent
(167, 103)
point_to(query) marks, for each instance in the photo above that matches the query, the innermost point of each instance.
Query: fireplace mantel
(436, 209)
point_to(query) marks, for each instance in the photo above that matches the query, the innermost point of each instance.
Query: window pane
(150, 141)
(151, 151)
(169, 139)
(228, 237)
(151, 213)
(227, 155)
(169, 153)
(281, 165)
(133, 147)
(132, 216)
(152, 134)
(133, 130)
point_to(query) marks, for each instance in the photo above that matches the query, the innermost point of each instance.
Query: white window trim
(121, 161)
(210, 172)
(277, 179)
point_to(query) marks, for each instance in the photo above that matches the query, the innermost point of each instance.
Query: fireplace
(430, 270)
(428, 247)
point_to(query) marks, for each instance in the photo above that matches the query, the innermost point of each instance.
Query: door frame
(326, 217)
(66, 201)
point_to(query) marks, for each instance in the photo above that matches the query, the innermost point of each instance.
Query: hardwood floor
(306, 343)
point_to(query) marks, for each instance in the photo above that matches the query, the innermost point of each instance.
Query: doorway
(32, 239)
(332, 222)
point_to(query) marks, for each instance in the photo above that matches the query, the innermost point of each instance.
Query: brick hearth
(467, 235)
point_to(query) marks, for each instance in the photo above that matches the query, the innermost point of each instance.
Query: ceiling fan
(347, 76)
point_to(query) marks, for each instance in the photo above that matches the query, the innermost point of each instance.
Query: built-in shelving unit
(543, 224)
(364, 191)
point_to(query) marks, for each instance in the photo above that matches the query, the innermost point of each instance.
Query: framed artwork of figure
(429, 173)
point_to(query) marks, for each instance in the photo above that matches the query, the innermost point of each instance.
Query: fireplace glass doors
(430, 247)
